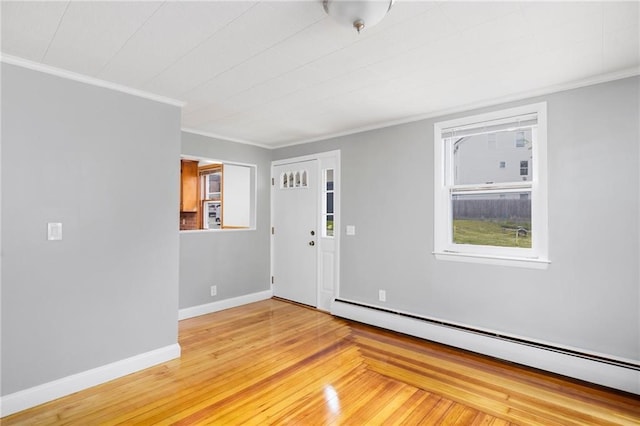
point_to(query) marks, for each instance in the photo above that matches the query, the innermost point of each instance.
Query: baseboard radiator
(595, 368)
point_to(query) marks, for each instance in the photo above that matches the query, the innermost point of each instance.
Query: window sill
(518, 262)
(206, 231)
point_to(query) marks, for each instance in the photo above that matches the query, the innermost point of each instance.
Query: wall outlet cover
(54, 231)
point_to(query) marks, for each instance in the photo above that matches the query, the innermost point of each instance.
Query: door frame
(328, 252)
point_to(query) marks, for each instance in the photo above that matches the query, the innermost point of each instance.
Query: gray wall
(103, 163)
(588, 298)
(236, 261)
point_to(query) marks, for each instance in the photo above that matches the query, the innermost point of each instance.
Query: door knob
(313, 233)
(312, 243)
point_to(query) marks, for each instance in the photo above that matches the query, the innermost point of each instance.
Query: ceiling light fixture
(357, 13)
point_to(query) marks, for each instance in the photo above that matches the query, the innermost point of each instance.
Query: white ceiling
(281, 72)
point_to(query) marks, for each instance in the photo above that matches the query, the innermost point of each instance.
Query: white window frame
(325, 207)
(444, 247)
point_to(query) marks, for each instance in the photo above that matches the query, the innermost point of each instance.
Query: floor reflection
(333, 401)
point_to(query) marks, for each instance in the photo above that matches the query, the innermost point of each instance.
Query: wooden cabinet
(189, 186)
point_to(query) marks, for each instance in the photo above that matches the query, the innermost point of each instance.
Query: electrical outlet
(382, 295)
(214, 290)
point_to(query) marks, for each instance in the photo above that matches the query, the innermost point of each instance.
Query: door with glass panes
(295, 228)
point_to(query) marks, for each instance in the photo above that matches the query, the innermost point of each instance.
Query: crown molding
(223, 138)
(604, 78)
(70, 75)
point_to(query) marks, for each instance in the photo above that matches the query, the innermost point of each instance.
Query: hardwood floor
(274, 362)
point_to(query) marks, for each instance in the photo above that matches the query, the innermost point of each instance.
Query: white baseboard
(46, 392)
(602, 373)
(220, 305)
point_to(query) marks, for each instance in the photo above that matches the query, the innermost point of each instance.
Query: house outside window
(491, 141)
(485, 213)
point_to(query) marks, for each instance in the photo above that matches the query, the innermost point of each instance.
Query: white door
(295, 233)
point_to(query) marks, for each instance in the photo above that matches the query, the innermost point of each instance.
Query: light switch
(351, 230)
(54, 231)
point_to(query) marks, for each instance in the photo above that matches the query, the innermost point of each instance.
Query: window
(210, 182)
(293, 179)
(327, 204)
(491, 141)
(487, 214)
(217, 195)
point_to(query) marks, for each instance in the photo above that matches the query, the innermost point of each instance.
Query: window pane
(213, 186)
(329, 225)
(329, 202)
(496, 219)
(491, 157)
(329, 180)
(328, 211)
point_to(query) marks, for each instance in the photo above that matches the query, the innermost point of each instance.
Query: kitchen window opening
(216, 195)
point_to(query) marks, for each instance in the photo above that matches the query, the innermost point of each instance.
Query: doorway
(305, 229)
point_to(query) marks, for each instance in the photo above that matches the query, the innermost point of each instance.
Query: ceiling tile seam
(150, 79)
(316, 60)
(275, 100)
(599, 79)
(328, 80)
(446, 16)
(328, 97)
(481, 23)
(311, 62)
(204, 83)
(523, 14)
(626, 73)
(129, 38)
(365, 66)
(518, 12)
(46, 52)
(267, 80)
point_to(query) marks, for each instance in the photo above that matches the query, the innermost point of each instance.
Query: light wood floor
(274, 362)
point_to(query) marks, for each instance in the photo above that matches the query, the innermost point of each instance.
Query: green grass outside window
(488, 233)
